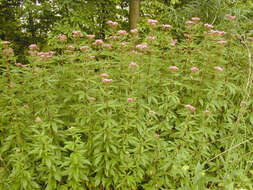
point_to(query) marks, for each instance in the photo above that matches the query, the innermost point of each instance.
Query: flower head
(243, 103)
(77, 34)
(84, 48)
(218, 68)
(106, 80)
(207, 112)
(209, 26)
(173, 42)
(174, 68)
(111, 23)
(194, 69)
(62, 37)
(152, 22)
(5, 42)
(189, 22)
(98, 42)
(134, 31)
(37, 120)
(142, 46)
(133, 64)
(90, 36)
(190, 107)
(92, 98)
(166, 26)
(230, 17)
(33, 47)
(130, 99)
(104, 75)
(195, 18)
(122, 32)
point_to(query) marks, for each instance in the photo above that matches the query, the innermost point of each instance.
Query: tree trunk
(134, 13)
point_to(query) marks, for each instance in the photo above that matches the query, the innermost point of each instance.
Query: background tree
(134, 13)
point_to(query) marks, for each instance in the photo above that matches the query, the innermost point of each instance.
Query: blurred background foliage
(34, 21)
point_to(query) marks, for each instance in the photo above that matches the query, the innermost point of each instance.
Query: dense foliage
(132, 111)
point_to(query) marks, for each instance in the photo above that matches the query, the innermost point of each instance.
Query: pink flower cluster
(62, 37)
(113, 37)
(174, 68)
(166, 26)
(104, 78)
(190, 107)
(134, 31)
(209, 26)
(33, 47)
(142, 46)
(230, 17)
(84, 48)
(91, 98)
(218, 68)
(111, 23)
(46, 55)
(122, 32)
(152, 22)
(194, 69)
(90, 36)
(77, 34)
(130, 99)
(109, 46)
(173, 42)
(98, 42)
(5, 42)
(8, 52)
(217, 32)
(132, 65)
(192, 21)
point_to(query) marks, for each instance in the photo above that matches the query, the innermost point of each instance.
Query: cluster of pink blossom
(194, 69)
(111, 23)
(77, 34)
(122, 32)
(104, 78)
(134, 31)
(132, 65)
(209, 26)
(151, 38)
(218, 68)
(46, 55)
(217, 32)
(5, 42)
(142, 46)
(92, 98)
(71, 48)
(114, 37)
(166, 26)
(222, 42)
(20, 65)
(192, 21)
(230, 17)
(84, 48)
(173, 42)
(98, 42)
(130, 99)
(62, 37)
(8, 52)
(33, 47)
(190, 107)
(152, 22)
(174, 68)
(90, 36)
(109, 46)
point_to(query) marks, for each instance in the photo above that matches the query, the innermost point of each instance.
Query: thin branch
(237, 145)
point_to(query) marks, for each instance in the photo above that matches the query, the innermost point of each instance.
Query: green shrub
(176, 114)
